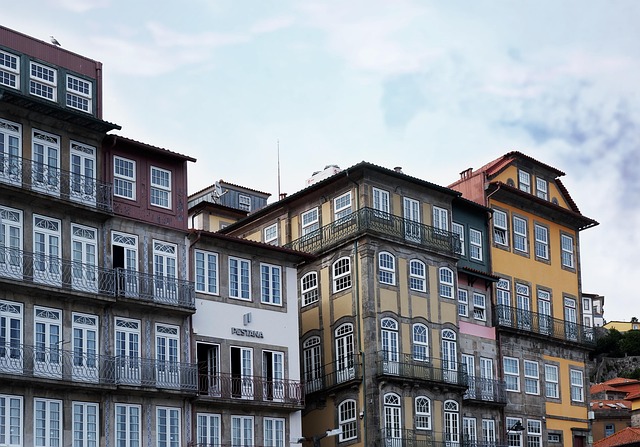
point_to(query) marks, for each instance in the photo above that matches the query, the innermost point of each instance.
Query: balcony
(344, 371)
(252, 389)
(65, 185)
(543, 325)
(485, 391)
(433, 370)
(368, 220)
(83, 366)
(156, 288)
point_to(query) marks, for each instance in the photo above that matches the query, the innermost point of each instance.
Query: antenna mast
(279, 194)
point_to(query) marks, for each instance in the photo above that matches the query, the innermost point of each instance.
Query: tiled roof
(629, 435)
(612, 404)
(151, 147)
(600, 387)
(620, 381)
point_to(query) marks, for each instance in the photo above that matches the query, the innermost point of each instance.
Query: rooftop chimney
(398, 169)
(466, 173)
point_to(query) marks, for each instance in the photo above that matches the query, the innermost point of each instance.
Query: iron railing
(344, 370)
(155, 288)
(251, 388)
(51, 180)
(487, 390)
(393, 364)
(544, 325)
(368, 220)
(400, 437)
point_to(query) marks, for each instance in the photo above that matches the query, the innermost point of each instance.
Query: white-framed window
(48, 335)
(524, 181)
(386, 268)
(168, 427)
(310, 221)
(10, 70)
(446, 282)
(241, 431)
(43, 81)
(84, 244)
(463, 303)
(417, 275)
(79, 93)
(274, 430)
(11, 334)
(423, 413)
(551, 381)
(541, 188)
(165, 258)
(167, 355)
(469, 430)
(47, 422)
(239, 278)
(577, 385)
(488, 431)
(511, 374)
(85, 347)
(11, 242)
(381, 202)
(341, 274)
(566, 243)
(83, 173)
(10, 151)
(534, 433)
(441, 218)
(160, 187)
(271, 284)
(86, 419)
(46, 250)
(242, 368)
(206, 266)
(347, 420)
(344, 352)
(124, 178)
(531, 377)
(312, 358)
(309, 288)
(244, 202)
(452, 421)
(500, 234)
(128, 425)
(542, 241)
(342, 206)
(45, 171)
(420, 343)
(514, 437)
(479, 306)
(208, 429)
(11, 420)
(557, 437)
(127, 350)
(459, 230)
(475, 244)
(270, 234)
(520, 242)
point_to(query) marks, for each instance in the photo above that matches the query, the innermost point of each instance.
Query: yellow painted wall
(512, 173)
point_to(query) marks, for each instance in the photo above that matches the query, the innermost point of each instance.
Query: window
(11, 420)
(239, 278)
(392, 418)
(387, 268)
(273, 375)
(167, 356)
(270, 284)
(310, 221)
(48, 335)
(85, 264)
(449, 352)
(609, 429)
(79, 93)
(309, 288)
(459, 230)
(420, 343)
(542, 242)
(46, 162)
(341, 274)
(85, 347)
(488, 432)
(83, 186)
(381, 202)
(11, 241)
(341, 206)
(577, 386)
(469, 430)
(500, 228)
(417, 275)
(451, 421)
(168, 426)
(534, 433)
(270, 235)
(127, 349)
(511, 374)
(244, 202)
(520, 242)
(440, 218)
(344, 353)
(10, 150)
(85, 424)
(242, 371)
(463, 303)
(273, 432)
(43, 82)
(554, 438)
(479, 306)
(124, 178)
(208, 429)
(9, 70)
(46, 250)
(206, 272)
(47, 422)
(241, 431)
(423, 413)
(127, 425)
(160, 187)
(313, 373)
(347, 420)
(514, 438)
(531, 378)
(541, 188)
(567, 250)
(164, 270)
(446, 282)
(11, 336)
(475, 244)
(551, 382)
(390, 351)
(524, 181)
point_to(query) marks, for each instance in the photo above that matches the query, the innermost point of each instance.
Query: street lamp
(316, 438)
(516, 427)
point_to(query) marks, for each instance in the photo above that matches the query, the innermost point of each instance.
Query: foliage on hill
(617, 354)
(614, 343)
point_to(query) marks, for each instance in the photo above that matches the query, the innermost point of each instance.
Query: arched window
(387, 268)
(449, 356)
(423, 413)
(392, 418)
(347, 420)
(451, 421)
(309, 288)
(341, 274)
(446, 282)
(417, 275)
(420, 343)
(390, 349)
(345, 362)
(312, 364)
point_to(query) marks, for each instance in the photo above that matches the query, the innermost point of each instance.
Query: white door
(164, 271)
(390, 346)
(48, 330)
(85, 348)
(544, 312)
(449, 356)
(10, 243)
(83, 173)
(273, 375)
(11, 355)
(10, 162)
(503, 292)
(412, 228)
(392, 421)
(127, 351)
(125, 261)
(571, 319)
(167, 356)
(84, 274)
(46, 251)
(523, 306)
(344, 353)
(46, 163)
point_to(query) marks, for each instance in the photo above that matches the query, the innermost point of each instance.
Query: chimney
(398, 169)
(466, 173)
(283, 195)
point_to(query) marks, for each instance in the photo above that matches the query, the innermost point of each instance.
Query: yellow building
(542, 341)
(623, 326)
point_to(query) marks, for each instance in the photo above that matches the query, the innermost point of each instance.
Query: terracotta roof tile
(627, 436)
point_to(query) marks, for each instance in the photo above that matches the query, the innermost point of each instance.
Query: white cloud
(80, 6)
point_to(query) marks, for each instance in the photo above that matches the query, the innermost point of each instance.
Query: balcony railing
(51, 180)
(252, 388)
(344, 370)
(83, 365)
(487, 390)
(155, 288)
(399, 437)
(392, 364)
(544, 325)
(368, 220)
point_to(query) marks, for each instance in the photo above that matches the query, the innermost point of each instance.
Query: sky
(434, 87)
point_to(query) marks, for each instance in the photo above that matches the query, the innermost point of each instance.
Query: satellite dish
(217, 192)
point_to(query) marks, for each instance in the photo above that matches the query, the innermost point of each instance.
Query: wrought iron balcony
(543, 325)
(165, 374)
(368, 220)
(344, 370)
(393, 364)
(231, 387)
(400, 437)
(486, 390)
(155, 288)
(51, 180)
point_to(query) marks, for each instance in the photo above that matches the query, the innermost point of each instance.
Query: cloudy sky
(433, 87)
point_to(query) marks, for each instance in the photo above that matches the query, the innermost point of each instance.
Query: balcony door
(242, 373)
(10, 162)
(449, 356)
(10, 243)
(167, 356)
(85, 348)
(570, 319)
(486, 374)
(83, 173)
(312, 364)
(345, 368)
(127, 347)
(124, 249)
(412, 228)
(48, 332)
(523, 307)
(392, 420)
(544, 312)
(273, 375)
(46, 251)
(164, 271)
(469, 363)
(84, 273)
(11, 355)
(390, 346)
(45, 173)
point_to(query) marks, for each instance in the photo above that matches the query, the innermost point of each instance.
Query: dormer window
(9, 70)
(78, 93)
(524, 181)
(541, 188)
(43, 82)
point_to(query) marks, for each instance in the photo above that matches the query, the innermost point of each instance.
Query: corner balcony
(155, 288)
(68, 186)
(368, 220)
(544, 326)
(252, 390)
(432, 370)
(487, 391)
(344, 371)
